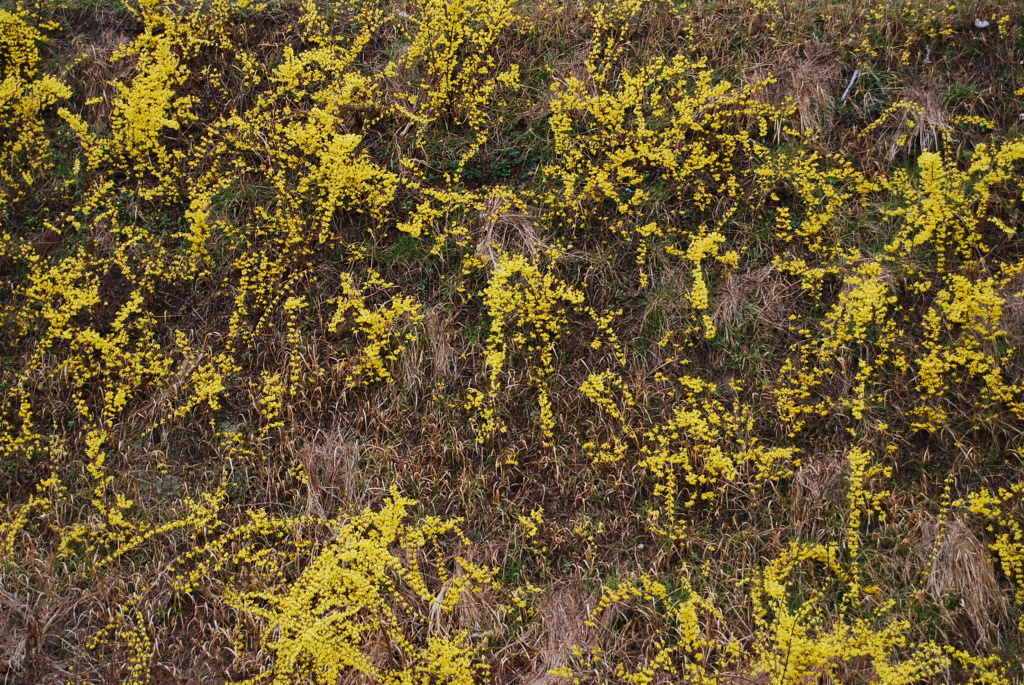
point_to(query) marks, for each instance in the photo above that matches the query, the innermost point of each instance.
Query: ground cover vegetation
(537, 341)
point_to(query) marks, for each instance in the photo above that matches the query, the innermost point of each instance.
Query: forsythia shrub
(25, 148)
(368, 579)
(265, 262)
(802, 630)
(701, 448)
(529, 309)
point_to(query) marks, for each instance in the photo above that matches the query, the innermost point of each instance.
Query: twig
(853, 79)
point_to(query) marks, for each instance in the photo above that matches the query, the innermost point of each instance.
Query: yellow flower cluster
(699, 449)
(919, 23)
(936, 246)
(380, 326)
(668, 125)
(369, 580)
(860, 320)
(1003, 516)
(528, 309)
(802, 632)
(610, 393)
(25, 150)
(962, 330)
(453, 51)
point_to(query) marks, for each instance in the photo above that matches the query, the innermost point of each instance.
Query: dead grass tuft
(32, 635)
(762, 293)
(930, 118)
(331, 461)
(563, 613)
(817, 484)
(503, 230)
(960, 573)
(95, 75)
(810, 75)
(1012, 321)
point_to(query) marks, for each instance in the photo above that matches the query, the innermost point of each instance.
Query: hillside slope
(458, 341)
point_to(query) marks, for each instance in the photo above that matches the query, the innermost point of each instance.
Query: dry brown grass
(355, 442)
(1013, 311)
(959, 572)
(819, 484)
(762, 293)
(563, 614)
(502, 230)
(331, 462)
(38, 633)
(810, 77)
